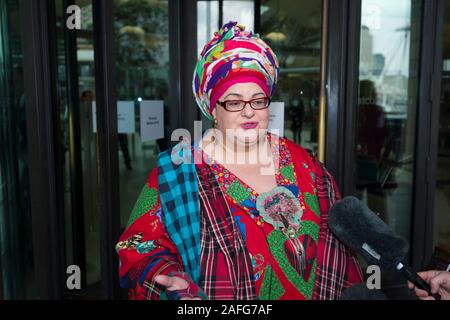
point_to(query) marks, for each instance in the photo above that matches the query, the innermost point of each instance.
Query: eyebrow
(240, 95)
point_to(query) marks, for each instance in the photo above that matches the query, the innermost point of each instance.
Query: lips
(249, 125)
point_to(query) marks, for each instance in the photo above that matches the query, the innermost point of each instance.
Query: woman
(248, 218)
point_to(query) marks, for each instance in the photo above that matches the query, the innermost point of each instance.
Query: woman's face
(244, 127)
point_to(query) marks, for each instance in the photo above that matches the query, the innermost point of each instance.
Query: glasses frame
(224, 103)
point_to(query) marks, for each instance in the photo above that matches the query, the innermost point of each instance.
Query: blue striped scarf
(178, 190)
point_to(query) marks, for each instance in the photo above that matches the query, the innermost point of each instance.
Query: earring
(213, 137)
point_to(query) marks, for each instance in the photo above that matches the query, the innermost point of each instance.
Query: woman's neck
(258, 153)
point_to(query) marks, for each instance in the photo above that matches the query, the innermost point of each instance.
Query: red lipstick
(249, 125)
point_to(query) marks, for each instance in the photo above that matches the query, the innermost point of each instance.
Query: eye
(259, 102)
(233, 104)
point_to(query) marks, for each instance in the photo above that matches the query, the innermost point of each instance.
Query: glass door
(387, 108)
(441, 230)
(17, 273)
(142, 85)
(384, 148)
(141, 43)
(75, 57)
(294, 31)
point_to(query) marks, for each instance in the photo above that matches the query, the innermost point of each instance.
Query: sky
(383, 17)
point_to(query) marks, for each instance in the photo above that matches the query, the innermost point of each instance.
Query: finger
(426, 298)
(421, 293)
(440, 280)
(428, 275)
(164, 281)
(179, 283)
(410, 285)
(187, 298)
(172, 282)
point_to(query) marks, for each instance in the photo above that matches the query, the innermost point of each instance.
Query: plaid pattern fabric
(221, 236)
(178, 191)
(337, 266)
(150, 290)
(191, 291)
(217, 238)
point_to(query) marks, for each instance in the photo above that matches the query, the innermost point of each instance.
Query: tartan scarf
(333, 257)
(220, 234)
(178, 191)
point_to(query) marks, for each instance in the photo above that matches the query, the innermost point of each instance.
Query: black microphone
(363, 231)
(361, 292)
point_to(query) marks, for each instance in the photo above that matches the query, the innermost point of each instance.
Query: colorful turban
(233, 56)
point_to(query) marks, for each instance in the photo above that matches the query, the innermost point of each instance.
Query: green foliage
(142, 31)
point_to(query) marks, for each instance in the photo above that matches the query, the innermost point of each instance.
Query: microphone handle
(412, 276)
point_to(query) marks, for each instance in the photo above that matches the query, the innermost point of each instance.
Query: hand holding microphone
(439, 282)
(363, 231)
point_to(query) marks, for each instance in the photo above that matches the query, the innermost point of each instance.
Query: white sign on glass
(152, 120)
(276, 117)
(125, 117)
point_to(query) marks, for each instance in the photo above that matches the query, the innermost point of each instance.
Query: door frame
(43, 134)
(427, 132)
(341, 85)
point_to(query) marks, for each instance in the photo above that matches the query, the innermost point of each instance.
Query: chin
(248, 138)
(247, 142)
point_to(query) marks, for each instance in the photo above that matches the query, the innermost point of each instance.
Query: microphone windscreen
(361, 292)
(363, 231)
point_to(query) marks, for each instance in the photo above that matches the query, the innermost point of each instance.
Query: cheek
(230, 120)
(263, 116)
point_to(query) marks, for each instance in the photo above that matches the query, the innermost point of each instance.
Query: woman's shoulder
(298, 151)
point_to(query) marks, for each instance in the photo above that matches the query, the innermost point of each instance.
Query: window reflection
(207, 22)
(17, 276)
(242, 11)
(82, 233)
(442, 195)
(293, 30)
(387, 109)
(142, 70)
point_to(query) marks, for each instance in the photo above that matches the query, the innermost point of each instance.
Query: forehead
(244, 89)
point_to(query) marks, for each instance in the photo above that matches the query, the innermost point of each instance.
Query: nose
(248, 111)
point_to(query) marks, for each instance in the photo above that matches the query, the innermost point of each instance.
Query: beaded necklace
(241, 194)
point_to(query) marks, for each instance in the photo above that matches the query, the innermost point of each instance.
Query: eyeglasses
(239, 105)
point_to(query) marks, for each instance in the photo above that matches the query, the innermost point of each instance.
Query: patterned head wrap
(233, 56)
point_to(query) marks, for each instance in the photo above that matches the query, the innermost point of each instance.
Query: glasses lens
(260, 103)
(234, 105)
